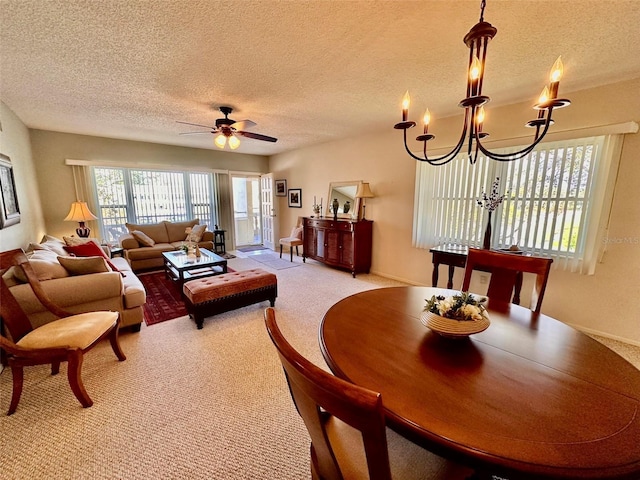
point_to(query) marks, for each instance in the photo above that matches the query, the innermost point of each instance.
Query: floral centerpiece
(490, 202)
(455, 316)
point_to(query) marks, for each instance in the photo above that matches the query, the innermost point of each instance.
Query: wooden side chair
(506, 274)
(66, 339)
(293, 240)
(347, 425)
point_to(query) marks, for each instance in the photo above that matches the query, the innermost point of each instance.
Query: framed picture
(281, 188)
(295, 197)
(9, 210)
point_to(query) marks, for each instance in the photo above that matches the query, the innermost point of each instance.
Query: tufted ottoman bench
(212, 295)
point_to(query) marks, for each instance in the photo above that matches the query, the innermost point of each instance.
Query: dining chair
(293, 240)
(346, 424)
(66, 339)
(506, 274)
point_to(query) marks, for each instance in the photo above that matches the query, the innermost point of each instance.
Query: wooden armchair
(66, 339)
(506, 272)
(347, 425)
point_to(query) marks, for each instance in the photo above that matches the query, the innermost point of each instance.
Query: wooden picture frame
(281, 188)
(295, 198)
(9, 208)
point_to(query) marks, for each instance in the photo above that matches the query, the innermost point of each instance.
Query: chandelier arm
(446, 158)
(506, 157)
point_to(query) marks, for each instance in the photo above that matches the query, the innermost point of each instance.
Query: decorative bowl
(451, 328)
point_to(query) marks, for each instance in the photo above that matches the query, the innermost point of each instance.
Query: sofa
(78, 289)
(144, 244)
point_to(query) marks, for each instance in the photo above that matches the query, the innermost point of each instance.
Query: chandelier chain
(483, 4)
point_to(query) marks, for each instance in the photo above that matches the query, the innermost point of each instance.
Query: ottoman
(212, 295)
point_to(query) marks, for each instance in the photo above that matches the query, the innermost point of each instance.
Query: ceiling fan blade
(242, 124)
(197, 125)
(257, 136)
(209, 132)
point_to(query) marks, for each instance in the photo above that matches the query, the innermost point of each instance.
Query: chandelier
(474, 114)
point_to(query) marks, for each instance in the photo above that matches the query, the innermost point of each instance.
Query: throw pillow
(45, 265)
(196, 233)
(72, 241)
(144, 239)
(91, 249)
(84, 265)
(50, 243)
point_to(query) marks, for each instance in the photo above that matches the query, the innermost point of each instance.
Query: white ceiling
(306, 72)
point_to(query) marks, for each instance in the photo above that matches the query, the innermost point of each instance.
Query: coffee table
(181, 268)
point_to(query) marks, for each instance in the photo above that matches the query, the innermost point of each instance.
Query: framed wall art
(281, 188)
(9, 209)
(295, 197)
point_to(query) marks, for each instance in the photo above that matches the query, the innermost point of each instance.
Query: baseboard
(604, 334)
(398, 279)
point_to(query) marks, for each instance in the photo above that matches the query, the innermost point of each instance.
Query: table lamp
(80, 213)
(364, 192)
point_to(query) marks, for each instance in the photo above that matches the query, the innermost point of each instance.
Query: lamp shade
(364, 191)
(79, 212)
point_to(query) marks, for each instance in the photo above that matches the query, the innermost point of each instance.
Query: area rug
(274, 261)
(164, 299)
(252, 248)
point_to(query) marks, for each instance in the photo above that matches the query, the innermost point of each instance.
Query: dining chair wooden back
(65, 339)
(506, 272)
(323, 401)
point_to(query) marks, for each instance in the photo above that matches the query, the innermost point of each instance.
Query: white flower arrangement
(462, 307)
(493, 200)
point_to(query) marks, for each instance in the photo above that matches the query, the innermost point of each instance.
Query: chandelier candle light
(477, 41)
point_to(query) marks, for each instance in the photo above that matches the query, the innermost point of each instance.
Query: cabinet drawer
(330, 224)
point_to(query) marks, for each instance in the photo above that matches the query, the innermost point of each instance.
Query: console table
(339, 243)
(456, 256)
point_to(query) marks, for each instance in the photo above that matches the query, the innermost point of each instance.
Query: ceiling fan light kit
(477, 41)
(227, 131)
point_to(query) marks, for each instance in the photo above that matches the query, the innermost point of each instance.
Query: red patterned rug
(164, 299)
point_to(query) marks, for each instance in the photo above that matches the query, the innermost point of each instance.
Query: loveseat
(78, 290)
(144, 244)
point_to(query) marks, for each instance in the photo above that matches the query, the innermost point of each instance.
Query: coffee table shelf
(181, 268)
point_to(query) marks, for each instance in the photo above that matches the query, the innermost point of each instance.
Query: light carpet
(187, 403)
(273, 260)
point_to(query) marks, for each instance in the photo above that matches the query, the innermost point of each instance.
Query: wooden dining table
(530, 397)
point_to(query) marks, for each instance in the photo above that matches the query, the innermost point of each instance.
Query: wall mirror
(345, 193)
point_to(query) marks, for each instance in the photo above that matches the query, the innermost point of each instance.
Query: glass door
(246, 210)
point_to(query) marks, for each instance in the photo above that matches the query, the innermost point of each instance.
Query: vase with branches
(490, 202)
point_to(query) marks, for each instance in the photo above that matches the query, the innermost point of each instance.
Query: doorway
(247, 222)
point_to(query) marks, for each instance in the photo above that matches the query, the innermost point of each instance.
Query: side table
(218, 241)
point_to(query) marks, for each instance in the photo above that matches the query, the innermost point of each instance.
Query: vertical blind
(554, 199)
(131, 195)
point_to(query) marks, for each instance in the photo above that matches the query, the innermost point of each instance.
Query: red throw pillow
(90, 249)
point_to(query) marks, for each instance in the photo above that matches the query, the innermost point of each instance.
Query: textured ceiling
(305, 71)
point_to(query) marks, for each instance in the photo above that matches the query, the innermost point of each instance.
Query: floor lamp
(364, 192)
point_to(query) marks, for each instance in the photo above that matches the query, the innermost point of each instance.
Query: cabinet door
(334, 246)
(310, 248)
(346, 249)
(320, 242)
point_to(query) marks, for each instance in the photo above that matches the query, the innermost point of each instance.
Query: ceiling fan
(228, 130)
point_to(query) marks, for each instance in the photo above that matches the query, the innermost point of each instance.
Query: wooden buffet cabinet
(339, 243)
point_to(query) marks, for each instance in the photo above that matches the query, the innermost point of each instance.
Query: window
(556, 200)
(149, 196)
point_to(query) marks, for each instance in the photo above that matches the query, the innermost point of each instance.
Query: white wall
(51, 149)
(15, 143)
(606, 303)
